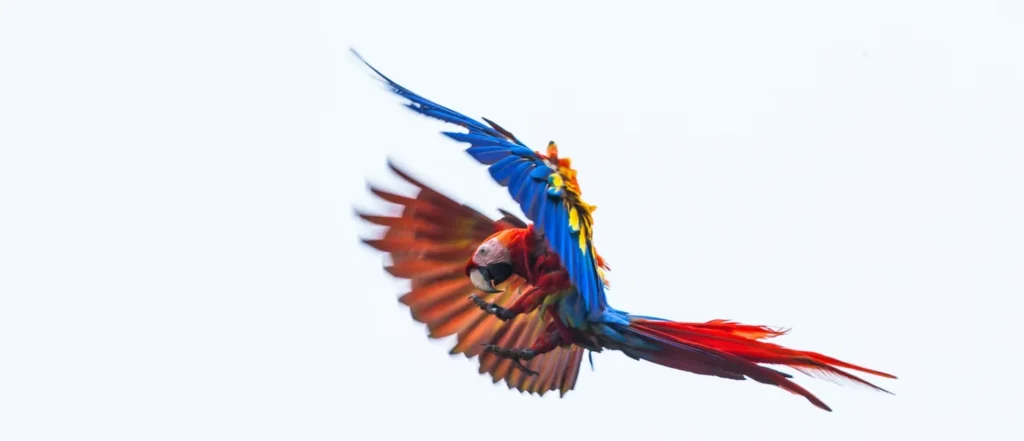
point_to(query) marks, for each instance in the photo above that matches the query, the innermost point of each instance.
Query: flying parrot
(546, 281)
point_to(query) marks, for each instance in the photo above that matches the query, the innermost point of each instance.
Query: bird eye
(483, 250)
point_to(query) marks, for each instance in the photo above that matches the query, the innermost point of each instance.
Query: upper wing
(429, 244)
(544, 186)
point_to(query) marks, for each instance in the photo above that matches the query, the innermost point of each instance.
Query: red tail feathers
(732, 350)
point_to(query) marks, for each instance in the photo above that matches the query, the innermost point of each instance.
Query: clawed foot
(491, 308)
(515, 355)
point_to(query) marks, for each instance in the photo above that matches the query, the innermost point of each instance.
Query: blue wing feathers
(518, 177)
(503, 170)
(456, 118)
(487, 157)
(525, 175)
(519, 186)
(541, 173)
(506, 162)
(430, 108)
(595, 283)
(478, 140)
(547, 219)
(530, 201)
(522, 195)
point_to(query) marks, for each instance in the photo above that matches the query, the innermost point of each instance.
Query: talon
(481, 303)
(525, 369)
(491, 308)
(504, 314)
(516, 355)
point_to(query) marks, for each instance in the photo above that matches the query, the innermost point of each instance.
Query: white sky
(179, 258)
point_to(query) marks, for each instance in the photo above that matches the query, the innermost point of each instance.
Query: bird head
(492, 264)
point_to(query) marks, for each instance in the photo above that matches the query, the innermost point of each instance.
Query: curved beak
(482, 282)
(488, 278)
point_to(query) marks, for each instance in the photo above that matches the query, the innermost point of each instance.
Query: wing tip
(380, 75)
(402, 173)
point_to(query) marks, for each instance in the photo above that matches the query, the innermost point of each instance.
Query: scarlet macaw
(547, 279)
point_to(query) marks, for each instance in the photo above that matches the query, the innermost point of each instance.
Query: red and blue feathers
(544, 187)
(435, 235)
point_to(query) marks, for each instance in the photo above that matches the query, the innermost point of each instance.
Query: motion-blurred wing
(429, 244)
(544, 186)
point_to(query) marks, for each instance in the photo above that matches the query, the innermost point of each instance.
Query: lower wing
(429, 244)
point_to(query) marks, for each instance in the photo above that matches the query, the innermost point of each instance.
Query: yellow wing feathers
(581, 219)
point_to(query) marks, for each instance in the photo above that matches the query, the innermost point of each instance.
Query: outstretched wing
(429, 244)
(544, 186)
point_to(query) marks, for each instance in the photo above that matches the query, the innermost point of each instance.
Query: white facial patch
(491, 251)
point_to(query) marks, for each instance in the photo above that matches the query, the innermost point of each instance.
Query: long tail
(732, 350)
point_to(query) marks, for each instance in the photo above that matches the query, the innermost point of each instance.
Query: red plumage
(734, 350)
(432, 244)
(429, 244)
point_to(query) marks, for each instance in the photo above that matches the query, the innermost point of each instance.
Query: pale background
(179, 259)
